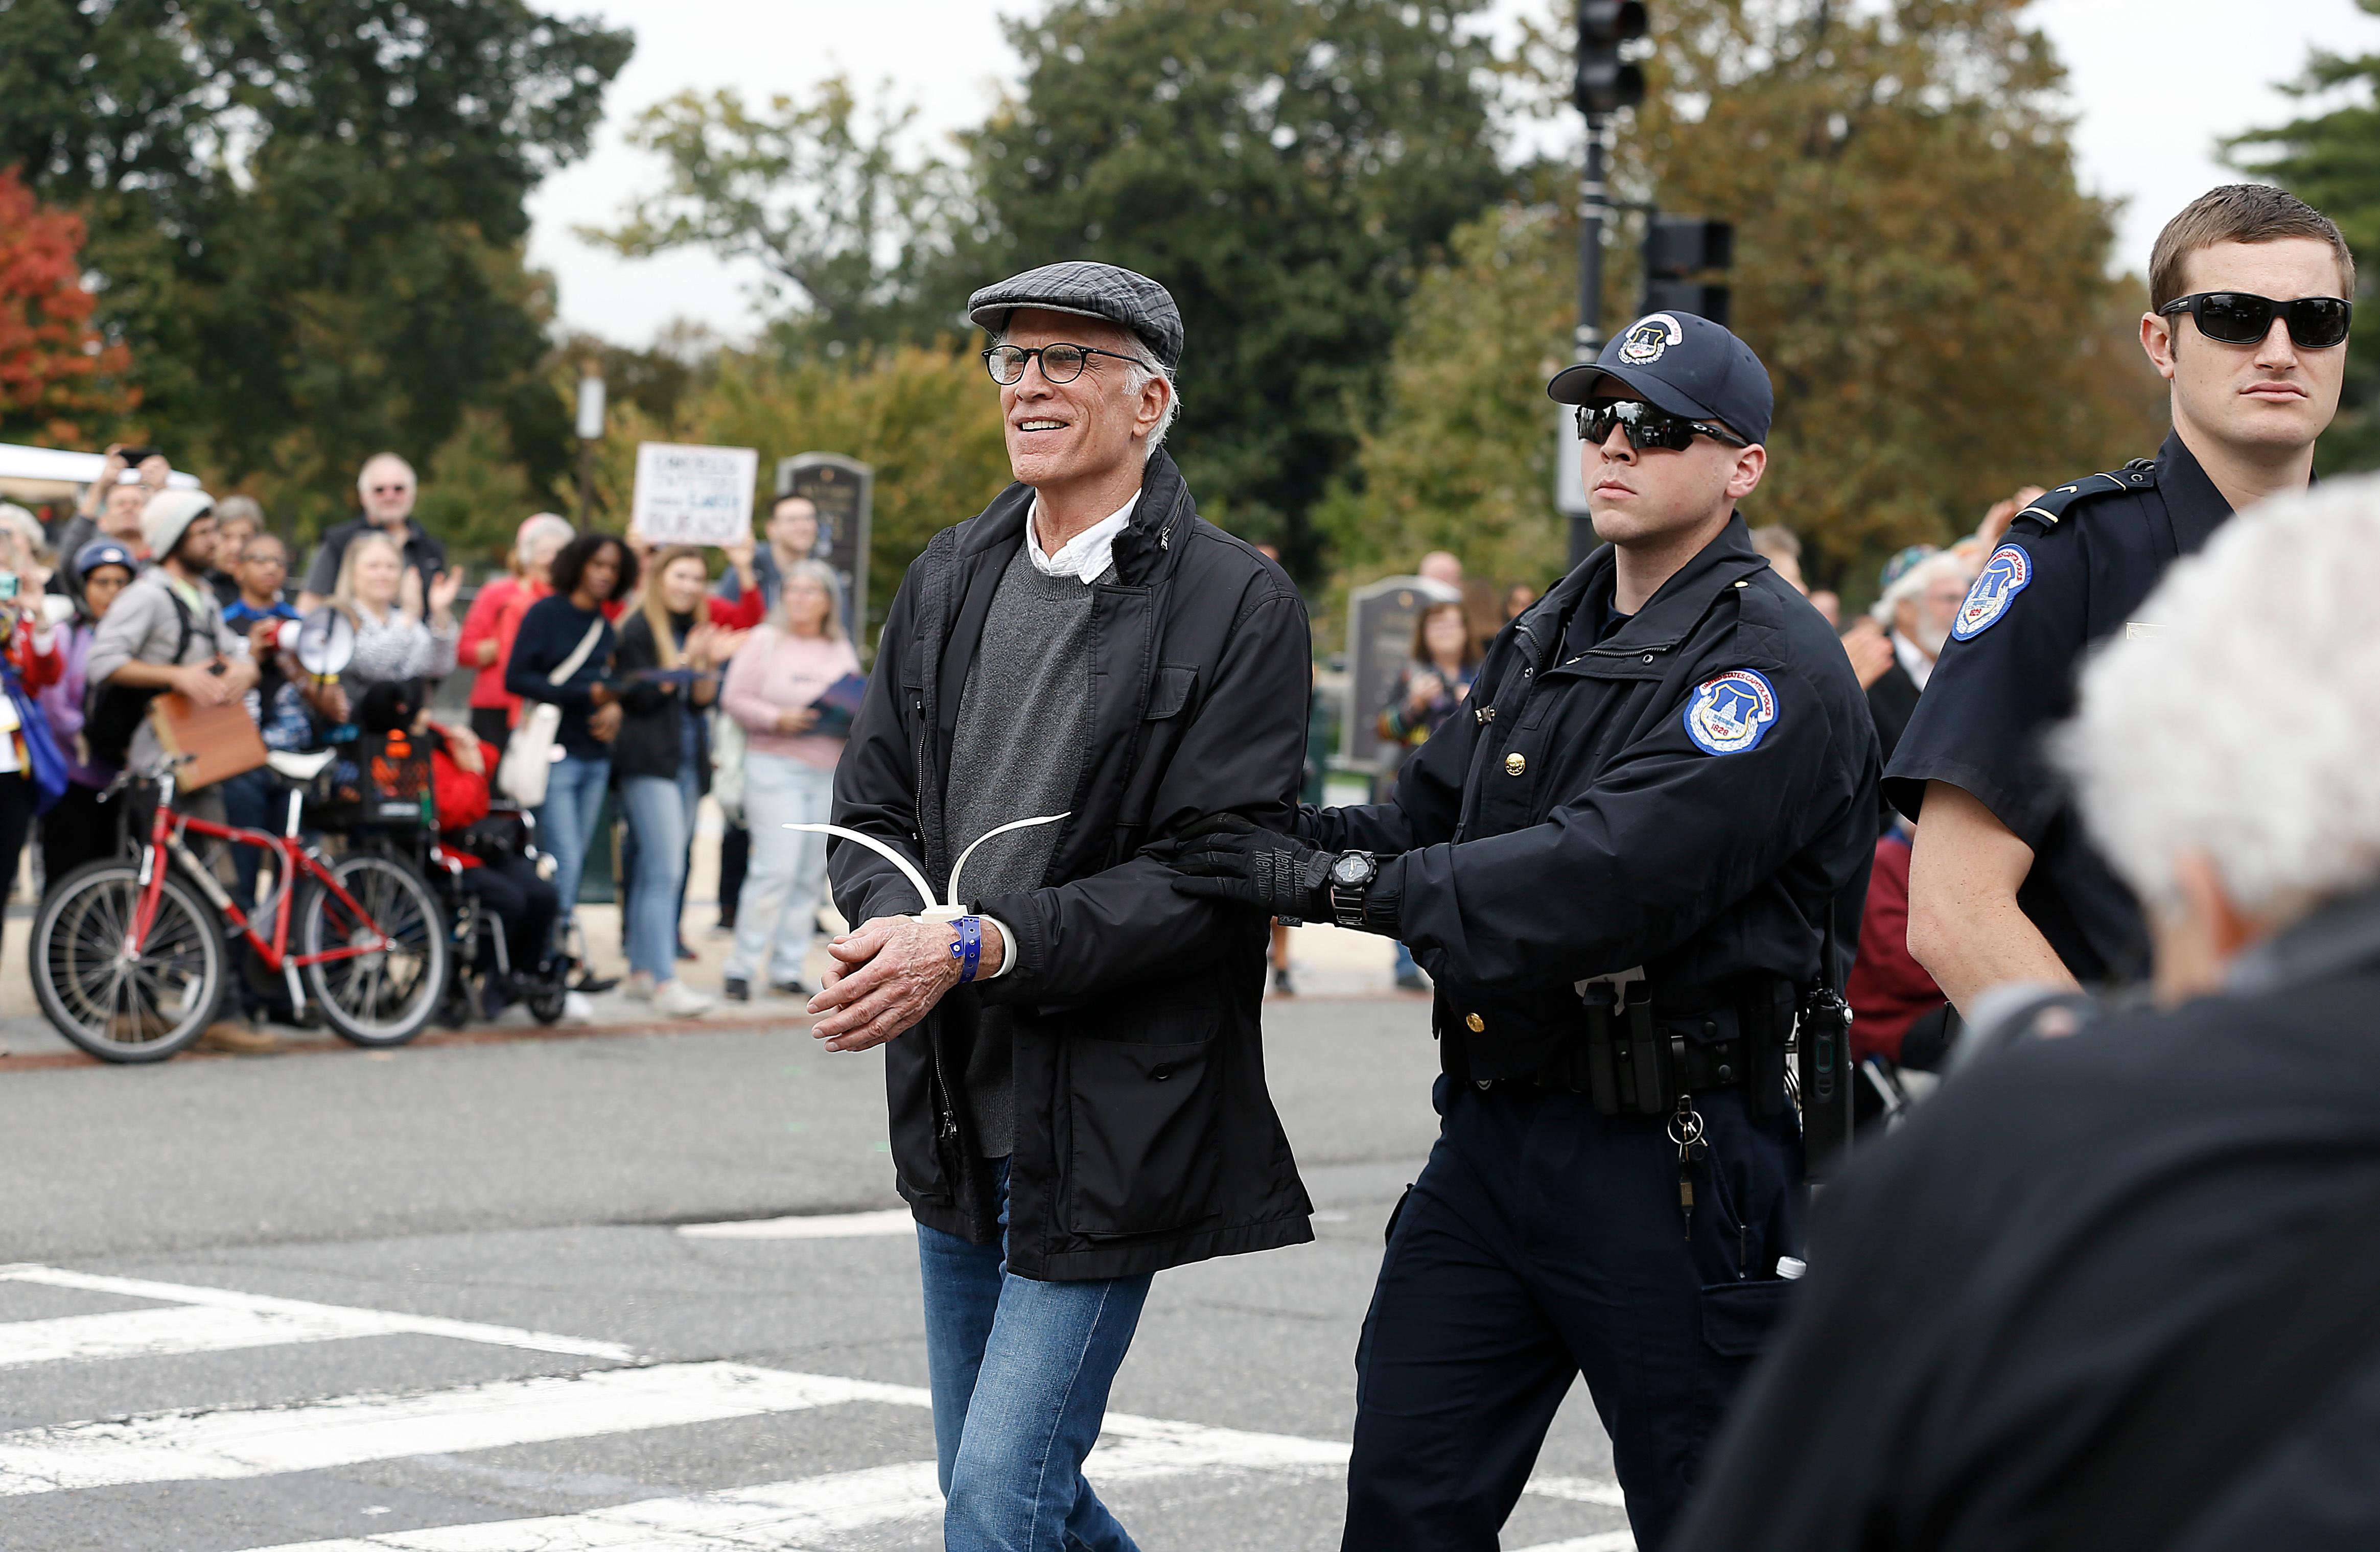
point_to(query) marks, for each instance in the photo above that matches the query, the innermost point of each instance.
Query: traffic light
(1677, 247)
(1605, 83)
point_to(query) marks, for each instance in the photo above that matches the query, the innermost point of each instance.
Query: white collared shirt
(1913, 660)
(1086, 556)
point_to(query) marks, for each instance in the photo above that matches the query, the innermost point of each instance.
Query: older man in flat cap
(1074, 1068)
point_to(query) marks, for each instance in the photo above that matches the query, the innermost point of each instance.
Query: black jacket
(1999, 1283)
(1565, 822)
(649, 742)
(422, 552)
(1144, 1137)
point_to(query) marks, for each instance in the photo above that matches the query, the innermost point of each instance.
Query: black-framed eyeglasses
(1060, 363)
(2244, 318)
(1647, 427)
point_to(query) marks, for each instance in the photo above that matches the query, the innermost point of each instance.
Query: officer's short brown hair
(2240, 213)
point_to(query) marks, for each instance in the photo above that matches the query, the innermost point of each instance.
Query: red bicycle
(129, 957)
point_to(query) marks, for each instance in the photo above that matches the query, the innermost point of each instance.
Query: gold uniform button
(1473, 1021)
(1516, 765)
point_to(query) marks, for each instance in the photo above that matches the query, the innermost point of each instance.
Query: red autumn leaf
(55, 367)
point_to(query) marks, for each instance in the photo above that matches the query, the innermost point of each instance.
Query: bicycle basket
(377, 780)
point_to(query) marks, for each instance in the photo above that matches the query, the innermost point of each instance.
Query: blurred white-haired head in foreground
(2226, 751)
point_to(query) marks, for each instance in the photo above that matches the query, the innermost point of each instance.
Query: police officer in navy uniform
(2249, 291)
(1623, 861)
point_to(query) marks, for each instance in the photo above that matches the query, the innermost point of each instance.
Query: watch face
(1351, 870)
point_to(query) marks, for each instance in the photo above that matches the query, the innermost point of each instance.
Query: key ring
(1685, 1126)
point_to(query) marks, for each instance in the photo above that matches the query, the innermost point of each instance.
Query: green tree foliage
(1287, 168)
(2331, 160)
(308, 217)
(825, 200)
(474, 494)
(1464, 458)
(926, 420)
(1915, 265)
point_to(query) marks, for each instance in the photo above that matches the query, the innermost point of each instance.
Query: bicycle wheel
(117, 1006)
(382, 998)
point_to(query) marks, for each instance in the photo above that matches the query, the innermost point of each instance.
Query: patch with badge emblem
(1649, 338)
(2007, 574)
(1728, 714)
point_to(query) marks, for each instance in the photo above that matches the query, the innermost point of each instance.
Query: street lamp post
(591, 432)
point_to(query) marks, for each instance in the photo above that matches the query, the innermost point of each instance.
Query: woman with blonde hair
(392, 645)
(772, 690)
(668, 654)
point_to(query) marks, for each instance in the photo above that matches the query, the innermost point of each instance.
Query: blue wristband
(968, 949)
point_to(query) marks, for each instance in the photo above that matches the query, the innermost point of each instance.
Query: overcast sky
(2157, 83)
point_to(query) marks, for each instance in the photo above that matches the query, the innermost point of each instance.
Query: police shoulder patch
(1729, 712)
(2051, 506)
(2007, 574)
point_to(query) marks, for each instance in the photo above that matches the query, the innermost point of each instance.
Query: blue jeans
(252, 800)
(1020, 1372)
(660, 816)
(565, 825)
(776, 920)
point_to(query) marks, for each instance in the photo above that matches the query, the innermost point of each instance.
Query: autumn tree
(1288, 169)
(844, 219)
(58, 377)
(310, 217)
(1915, 262)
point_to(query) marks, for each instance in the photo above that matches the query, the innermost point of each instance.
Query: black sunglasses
(1647, 427)
(1060, 363)
(2244, 318)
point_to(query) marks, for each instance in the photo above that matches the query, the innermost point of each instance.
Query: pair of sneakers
(672, 997)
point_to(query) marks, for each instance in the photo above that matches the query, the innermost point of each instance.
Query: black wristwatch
(1349, 877)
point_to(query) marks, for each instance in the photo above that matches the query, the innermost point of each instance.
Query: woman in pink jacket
(772, 688)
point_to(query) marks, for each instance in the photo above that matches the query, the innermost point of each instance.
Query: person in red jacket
(1897, 1011)
(490, 848)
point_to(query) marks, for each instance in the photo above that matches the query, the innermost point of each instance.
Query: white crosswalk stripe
(889, 1224)
(219, 1446)
(821, 1512)
(381, 1322)
(156, 1333)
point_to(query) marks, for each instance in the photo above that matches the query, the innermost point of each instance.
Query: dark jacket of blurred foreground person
(2121, 1289)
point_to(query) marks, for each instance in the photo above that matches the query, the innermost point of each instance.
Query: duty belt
(1644, 1046)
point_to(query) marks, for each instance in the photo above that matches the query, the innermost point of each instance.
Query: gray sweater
(141, 626)
(1018, 752)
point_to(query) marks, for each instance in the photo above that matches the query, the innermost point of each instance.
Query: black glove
(1237, 861)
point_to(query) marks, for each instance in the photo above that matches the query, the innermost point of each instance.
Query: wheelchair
(482, 978)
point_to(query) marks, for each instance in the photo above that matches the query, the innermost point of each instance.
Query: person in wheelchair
(486, 859)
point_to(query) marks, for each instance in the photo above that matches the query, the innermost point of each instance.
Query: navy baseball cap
(100, 552)
(1676, 361)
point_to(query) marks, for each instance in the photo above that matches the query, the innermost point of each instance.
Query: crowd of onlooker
(669, 677)
(663, 682)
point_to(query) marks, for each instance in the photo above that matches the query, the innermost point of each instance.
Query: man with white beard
(1917, 608)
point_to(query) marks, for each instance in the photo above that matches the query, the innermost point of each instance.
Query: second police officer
(2249, 291)
(1627, 860)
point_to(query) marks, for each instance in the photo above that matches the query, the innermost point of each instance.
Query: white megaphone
(935, 910)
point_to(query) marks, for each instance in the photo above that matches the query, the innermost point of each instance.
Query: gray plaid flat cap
(1087, 290)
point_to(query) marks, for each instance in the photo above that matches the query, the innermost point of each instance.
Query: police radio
(1823, 1069)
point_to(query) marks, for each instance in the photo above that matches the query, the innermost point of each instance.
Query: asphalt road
(447, 1300)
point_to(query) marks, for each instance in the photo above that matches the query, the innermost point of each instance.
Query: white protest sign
(694, 495)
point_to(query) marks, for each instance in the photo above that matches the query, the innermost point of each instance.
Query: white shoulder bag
(529, 757)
